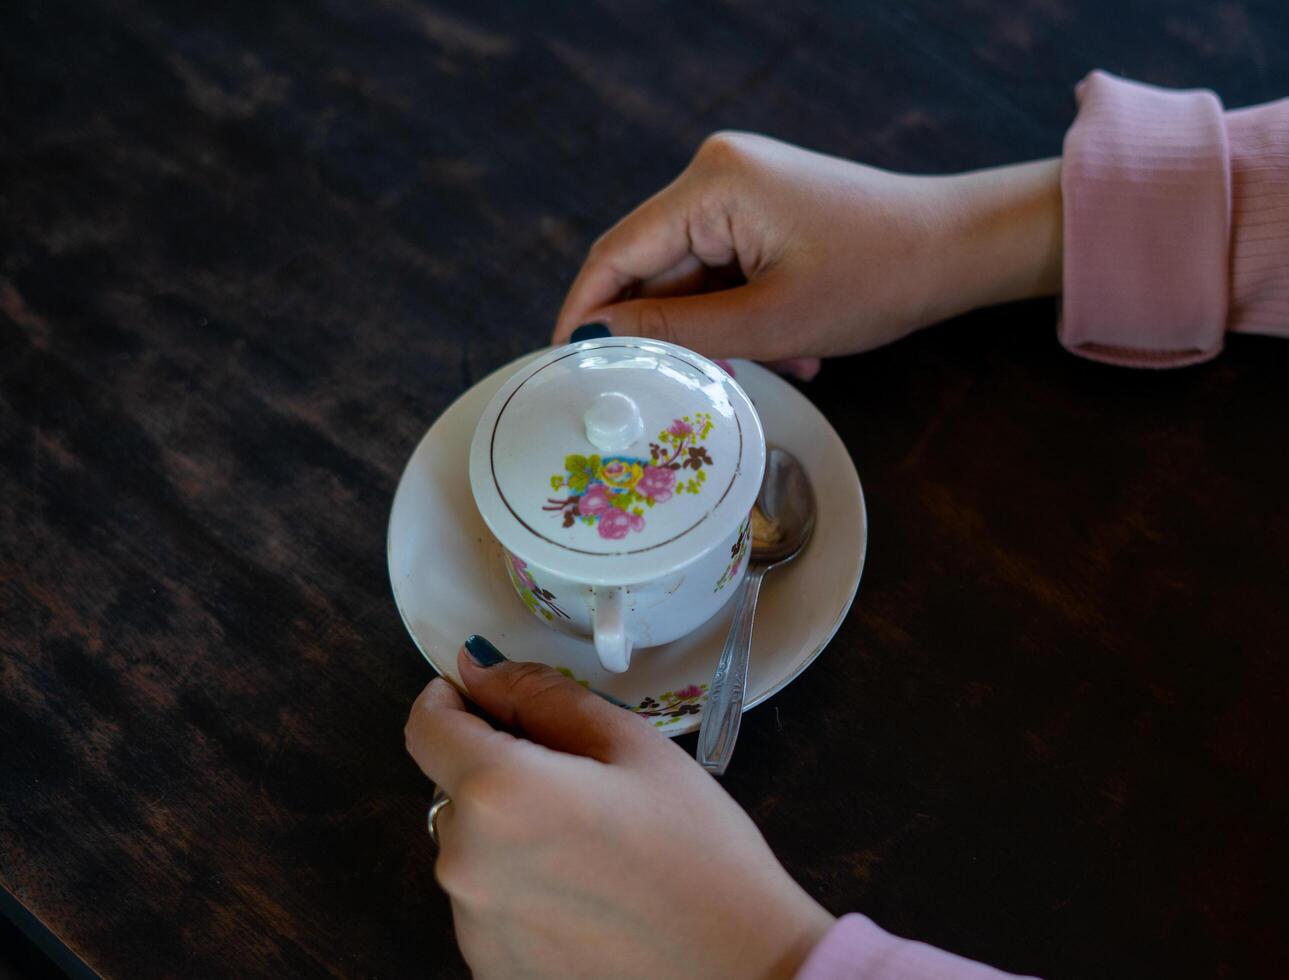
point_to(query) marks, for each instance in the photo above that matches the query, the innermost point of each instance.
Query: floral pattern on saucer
(666, 709)
(672, 705)
(612, 493)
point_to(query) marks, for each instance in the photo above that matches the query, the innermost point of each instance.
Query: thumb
(552, 709)
(746, 321)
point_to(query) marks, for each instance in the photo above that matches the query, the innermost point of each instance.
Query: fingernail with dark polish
(482, 652)
(590, 331)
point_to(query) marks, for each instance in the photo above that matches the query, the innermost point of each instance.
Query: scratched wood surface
(249, 251)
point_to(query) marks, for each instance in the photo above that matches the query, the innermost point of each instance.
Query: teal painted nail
(482, 652)
(590, 331)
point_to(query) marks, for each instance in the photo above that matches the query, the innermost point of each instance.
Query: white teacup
(619, 475)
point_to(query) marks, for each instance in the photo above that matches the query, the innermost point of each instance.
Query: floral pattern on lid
(613, 493)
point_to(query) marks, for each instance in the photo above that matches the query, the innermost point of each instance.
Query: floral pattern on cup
(612, 493)
(738, 551)
(541, 602)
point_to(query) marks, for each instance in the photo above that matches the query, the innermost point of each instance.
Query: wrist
(1002, 236)
(798, 941)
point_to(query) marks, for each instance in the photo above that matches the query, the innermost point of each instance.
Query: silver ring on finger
(437, 803)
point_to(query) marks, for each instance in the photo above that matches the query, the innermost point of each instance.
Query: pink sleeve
(1176, 223)
(856, 949)
(1259, 140)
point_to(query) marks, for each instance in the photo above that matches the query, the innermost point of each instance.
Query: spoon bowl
(786, 510)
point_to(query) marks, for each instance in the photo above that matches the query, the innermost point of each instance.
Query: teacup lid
(614, 461)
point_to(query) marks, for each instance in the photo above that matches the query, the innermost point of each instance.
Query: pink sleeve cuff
(856, 949)
(1146, 183)
(1259, 139)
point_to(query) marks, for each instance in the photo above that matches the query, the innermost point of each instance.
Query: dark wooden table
(248, 252)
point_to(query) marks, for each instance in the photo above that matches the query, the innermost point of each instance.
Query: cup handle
(609, 626)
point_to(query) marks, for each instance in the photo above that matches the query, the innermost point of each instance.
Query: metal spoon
(787, 510)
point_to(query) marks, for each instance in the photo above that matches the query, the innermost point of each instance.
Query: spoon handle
(724, 708)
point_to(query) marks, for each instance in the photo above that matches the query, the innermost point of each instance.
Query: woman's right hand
(764, 250)
(588, 844)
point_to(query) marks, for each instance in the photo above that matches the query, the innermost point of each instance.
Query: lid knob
(613, 422)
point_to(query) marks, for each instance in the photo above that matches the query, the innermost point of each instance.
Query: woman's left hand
(590, 845)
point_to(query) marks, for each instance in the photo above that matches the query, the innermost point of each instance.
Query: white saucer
(450, 581)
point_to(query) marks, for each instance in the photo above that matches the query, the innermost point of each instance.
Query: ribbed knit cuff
(1146, 185)
(855, 948)
(1259, 142)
